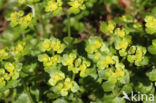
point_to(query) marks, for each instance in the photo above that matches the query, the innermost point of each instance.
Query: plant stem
(33, 9)
(27, 92)
(68, 18)
(73, 76)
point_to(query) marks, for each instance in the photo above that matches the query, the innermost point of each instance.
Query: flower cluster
(93, 45)
(137, 55)
(150, 24)
(122, 44)
(49, 61)
(105, 59)
(9, 72)
(54, 6)
(76, 6)
(105, 62)
(56, 77)
(115, 75)
(3, 54)
(59, 62)
(18, 18)
(19, 50)
(80, 65)
(108, 28)
(52, 44)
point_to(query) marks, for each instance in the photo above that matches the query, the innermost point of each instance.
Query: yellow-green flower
(3, 53)
(56, 78)
(19, 47)
(123, 45)
(76, 6)
(53, 61)
(43, 58)
(68, 59)
(97, 56)
(109, 60)
(82, 68)
(78, 62)
(119, 72)
(68, 84)
(110, 27)
(120, 33)
(7, 76)
(93, 44)
(60, 86)
(109, 72)
(97, 44)
(9, 67)
(104, 63)
(46, 45)
(150, 24)
(25, 21)
(54, 6)
(17, 18)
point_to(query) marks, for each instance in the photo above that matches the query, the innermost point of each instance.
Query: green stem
(68, 18)
(73, 76)
(27, 92)
(33, 9)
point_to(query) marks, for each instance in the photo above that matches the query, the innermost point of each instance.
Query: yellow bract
(9, 67)
(3, 53)
(56, 45)
(60, 86)
(110, 27)
(75, 4)
(46, 45)
(120, 33)
(21, 1)
(97, 56)
(109, 60)
(52, 6)
(69, 61)
(54, 59)
(138, 56)
(18, 18)
(55, 78)
(19, 47)
(119, 72)
(97, 44)
(82, 68)
(45, 59)
(150, 19)
(68, 84)
(123, 45)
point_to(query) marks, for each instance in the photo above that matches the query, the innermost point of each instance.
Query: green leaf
(35, 92)
(152, 49)
(102, 74)
(152, 75)
(68, 40)
(60, 101)
(22, 98)
(103, 27)
(11, 84)
(75, 87)
(108, 86)
(118, 100)
(128, 88)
